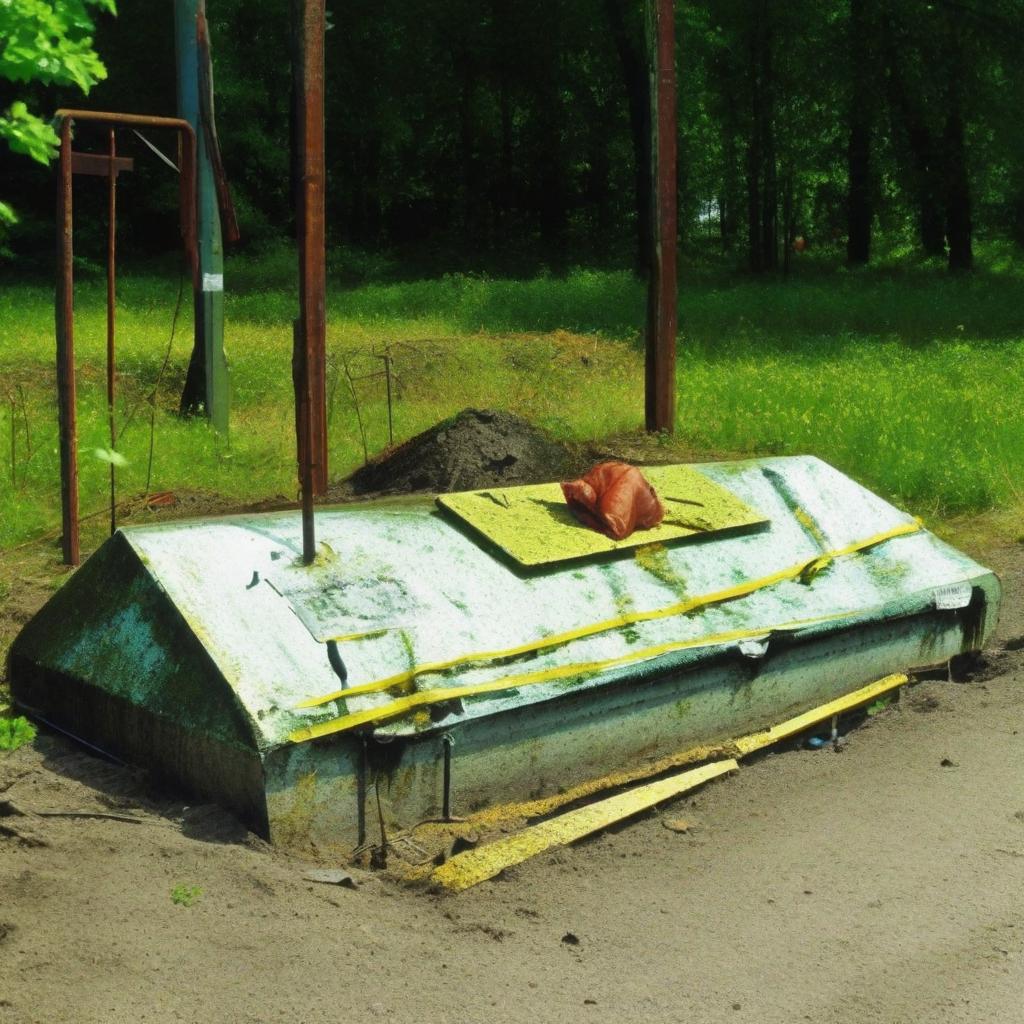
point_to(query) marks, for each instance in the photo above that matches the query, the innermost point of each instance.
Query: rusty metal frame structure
(65, 300)
(310, 328)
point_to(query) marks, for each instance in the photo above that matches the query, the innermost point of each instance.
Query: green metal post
(209, 299)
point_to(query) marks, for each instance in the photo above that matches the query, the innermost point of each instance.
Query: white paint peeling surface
(425, 591)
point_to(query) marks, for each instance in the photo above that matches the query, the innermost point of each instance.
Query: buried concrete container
(417, 665)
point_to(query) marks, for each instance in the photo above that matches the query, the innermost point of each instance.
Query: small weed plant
(15, 733)
(185, 895)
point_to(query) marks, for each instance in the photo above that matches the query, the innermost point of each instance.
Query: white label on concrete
(953, 596)
(213, 282)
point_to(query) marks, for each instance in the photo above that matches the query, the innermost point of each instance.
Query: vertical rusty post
(66, 356)
(660, 367)
(111, 298)
(309, 357)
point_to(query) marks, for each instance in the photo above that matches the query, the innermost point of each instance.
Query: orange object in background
(799, 243)
(615, 499)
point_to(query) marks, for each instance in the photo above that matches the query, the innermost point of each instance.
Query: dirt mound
(475, 448)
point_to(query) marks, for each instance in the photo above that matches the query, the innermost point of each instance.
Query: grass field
(908, 379)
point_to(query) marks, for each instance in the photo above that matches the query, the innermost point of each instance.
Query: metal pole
(660, 367)
(66, 356)
(309, 357)
(111, 298)
(209, 292)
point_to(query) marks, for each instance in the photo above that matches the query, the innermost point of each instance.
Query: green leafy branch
(47, 41)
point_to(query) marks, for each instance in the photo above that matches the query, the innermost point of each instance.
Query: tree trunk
(927, 179)
(598, 193)
(472, 218)
(958, 193)
(729, 201)
(858, 153)
(770, 196)
(954, 152)
(787, 223)
(755, 159)
(634, 73)
(762, 173)
(1017, 218)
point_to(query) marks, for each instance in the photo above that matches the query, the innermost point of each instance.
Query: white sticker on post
(213, 282)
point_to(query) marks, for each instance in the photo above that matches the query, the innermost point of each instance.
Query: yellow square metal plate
(533, 524)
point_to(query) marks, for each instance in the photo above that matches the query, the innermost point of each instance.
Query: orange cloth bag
(615, 499)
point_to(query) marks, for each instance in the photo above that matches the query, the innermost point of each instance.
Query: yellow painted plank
(758, 740)
(475, 866)
(533, 524)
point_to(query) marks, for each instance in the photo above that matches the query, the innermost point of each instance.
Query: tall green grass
(906, 378)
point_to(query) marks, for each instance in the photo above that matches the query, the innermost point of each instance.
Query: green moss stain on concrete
(811, 527)
(654, 558)
(682, 708)
(623, 600)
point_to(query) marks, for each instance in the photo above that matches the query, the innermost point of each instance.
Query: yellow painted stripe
(810, 567)
(758, 740)
(474, 866)
(403, 705)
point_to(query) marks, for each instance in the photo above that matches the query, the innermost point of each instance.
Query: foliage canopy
(50, 43)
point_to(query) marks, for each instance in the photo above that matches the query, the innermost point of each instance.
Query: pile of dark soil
(476, 448)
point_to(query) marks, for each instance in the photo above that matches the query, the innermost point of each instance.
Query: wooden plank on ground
(758, 740)
(475, 866)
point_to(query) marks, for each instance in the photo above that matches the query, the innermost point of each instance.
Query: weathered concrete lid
(408, 623)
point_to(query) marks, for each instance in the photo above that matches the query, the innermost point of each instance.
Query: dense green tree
(47, 41)
(514, 134)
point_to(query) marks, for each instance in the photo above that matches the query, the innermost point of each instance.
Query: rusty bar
(309, 97)
(111, 299)
(300, 382)
(111, 119)
(660, 368)
(309, 360)
(65, 314)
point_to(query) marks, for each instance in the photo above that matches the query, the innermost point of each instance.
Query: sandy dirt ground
(881, 883)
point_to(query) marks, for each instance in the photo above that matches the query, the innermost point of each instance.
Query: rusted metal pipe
(660, 364)
(65, 305)
(309, 356)
(111, 289)
(65, 315)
